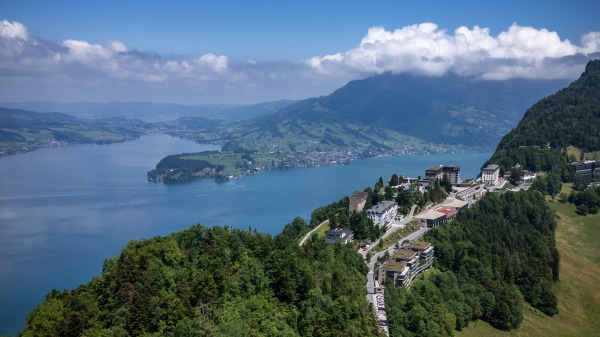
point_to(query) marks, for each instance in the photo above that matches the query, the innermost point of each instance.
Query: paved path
(310, 233)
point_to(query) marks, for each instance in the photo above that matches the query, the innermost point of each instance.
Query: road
(311, 232)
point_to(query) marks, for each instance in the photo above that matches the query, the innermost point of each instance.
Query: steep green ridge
(569, 117)
(490, 260)
(217, 282)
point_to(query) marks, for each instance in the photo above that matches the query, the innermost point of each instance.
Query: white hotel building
(383, 213)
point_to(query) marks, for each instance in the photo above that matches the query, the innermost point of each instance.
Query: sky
(240, 52)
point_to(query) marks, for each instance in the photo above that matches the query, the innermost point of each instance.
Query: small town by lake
(64, 210)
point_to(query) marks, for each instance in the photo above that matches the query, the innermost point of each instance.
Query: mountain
(570, 117)
(391, 111)
(23, 131)
(148, 111)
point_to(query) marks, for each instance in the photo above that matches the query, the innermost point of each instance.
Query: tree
(394, 180)
(515, 175)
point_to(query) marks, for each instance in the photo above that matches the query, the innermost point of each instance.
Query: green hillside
(569, 117)
(391, 111)
(24, 131)
(216, 282)
(578, 298)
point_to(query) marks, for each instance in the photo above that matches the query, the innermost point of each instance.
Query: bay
(64, 210)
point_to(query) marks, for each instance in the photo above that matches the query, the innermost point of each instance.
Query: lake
(64, 210)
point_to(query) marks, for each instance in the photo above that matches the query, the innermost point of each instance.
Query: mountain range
(389, 111)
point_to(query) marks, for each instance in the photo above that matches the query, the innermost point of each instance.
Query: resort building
(588, 171)
(438, 172)
(491, 175)
(357, 202)
(407, 263)
(470, 192)
(434, 172)
(452, 173)
(383, 213)
(435, 217)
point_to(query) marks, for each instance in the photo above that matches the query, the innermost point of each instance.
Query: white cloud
(426, 49)
(13, 30)
(30, 65)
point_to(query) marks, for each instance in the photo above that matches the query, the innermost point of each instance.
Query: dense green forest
(493, 257)
(216, 282)
(177, 168)
(569, 117)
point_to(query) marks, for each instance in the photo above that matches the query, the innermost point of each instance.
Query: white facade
(383, 213)
(491, 175)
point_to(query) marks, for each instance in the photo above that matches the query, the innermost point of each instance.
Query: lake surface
(64, 210)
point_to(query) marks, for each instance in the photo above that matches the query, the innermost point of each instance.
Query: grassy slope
(578, 299)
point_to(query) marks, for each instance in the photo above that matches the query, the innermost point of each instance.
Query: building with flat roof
(434, 172)
(588, 171)
(437, 172)
(452, 173)
(357, 202)
(490, 175)
(431, 218)
(383, 213)
(406, 264)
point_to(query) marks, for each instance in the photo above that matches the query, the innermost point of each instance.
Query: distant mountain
(148, 111)
(569, 117)
(24, 131)
(390, 111)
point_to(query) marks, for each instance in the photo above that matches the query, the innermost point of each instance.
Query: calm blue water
(64, 210)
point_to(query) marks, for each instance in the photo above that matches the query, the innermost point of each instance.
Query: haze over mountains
(379, 114)
(388, 111)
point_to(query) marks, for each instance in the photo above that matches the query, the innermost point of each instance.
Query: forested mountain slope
(216, 282)
(569, 117)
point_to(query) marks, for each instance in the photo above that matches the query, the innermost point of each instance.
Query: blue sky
(196, 52)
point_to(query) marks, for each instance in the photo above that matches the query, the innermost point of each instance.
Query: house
(528, 175)
(357, 202)
(491, 175)
(342, 235)
(383, 213)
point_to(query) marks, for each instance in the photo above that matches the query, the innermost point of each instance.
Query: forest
(569, 117)
(216, 281)
(492, 258)
(221, 281)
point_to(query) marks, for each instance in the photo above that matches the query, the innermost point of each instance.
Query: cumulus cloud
(31, 65)
(426, 49)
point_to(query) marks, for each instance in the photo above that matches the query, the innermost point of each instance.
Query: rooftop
(393, 266)
(430, 215)
(446, 211)
(382, 206)
(359, 195)
(492, 167)
(435, 168)
(456, 203)
(403, 254)
(421, 245)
